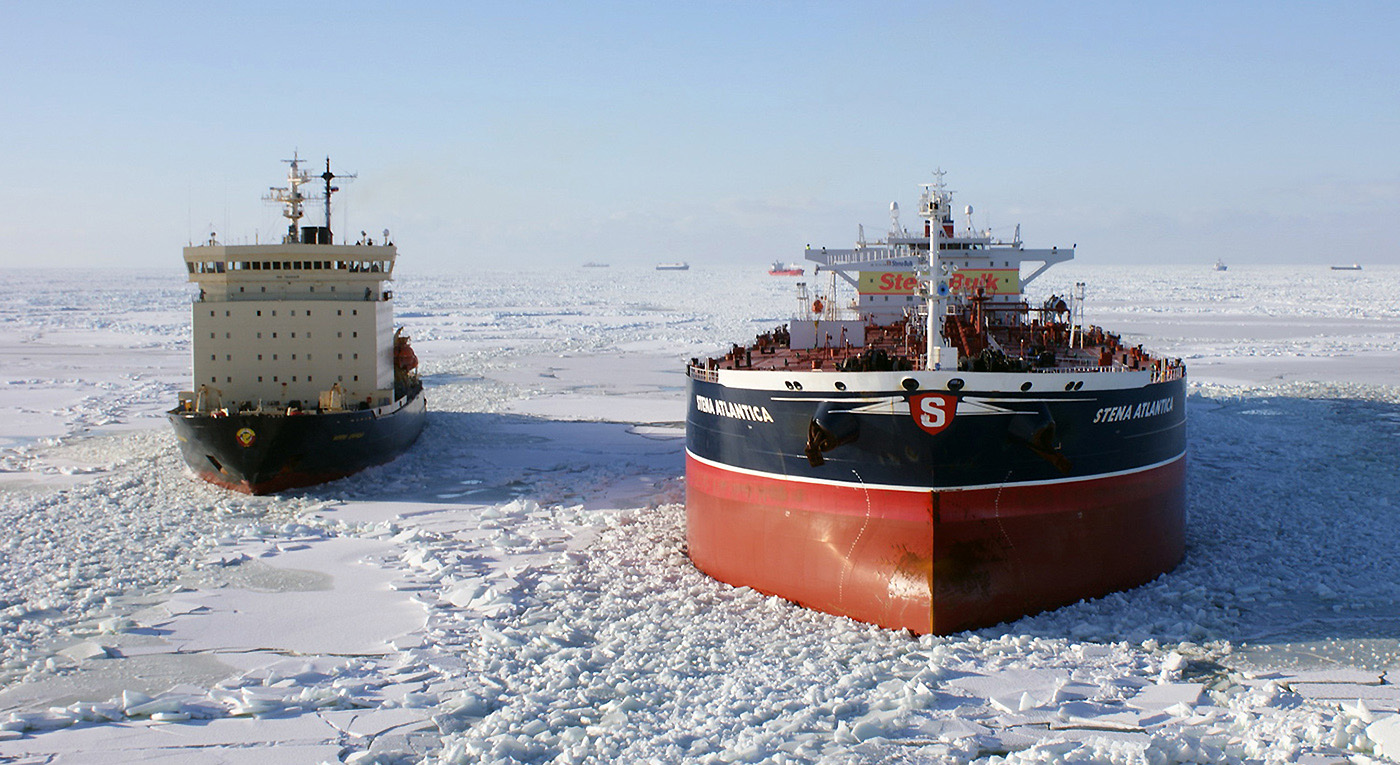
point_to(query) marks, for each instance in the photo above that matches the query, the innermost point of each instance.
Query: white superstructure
(303, 321)
(886, 273)
(932, 271)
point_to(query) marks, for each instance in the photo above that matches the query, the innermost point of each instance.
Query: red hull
(282, 482)
(935, 561)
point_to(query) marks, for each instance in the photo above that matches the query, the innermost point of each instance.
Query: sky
(508, 134)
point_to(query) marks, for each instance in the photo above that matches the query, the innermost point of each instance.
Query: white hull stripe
(923, 489)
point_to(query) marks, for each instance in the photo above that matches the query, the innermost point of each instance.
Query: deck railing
(703, 374)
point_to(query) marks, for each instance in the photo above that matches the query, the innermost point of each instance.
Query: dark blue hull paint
(973, 450)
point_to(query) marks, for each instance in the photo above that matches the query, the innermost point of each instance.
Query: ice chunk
(1174, 662)
(161, 705)
(86, 651)
(132, 699)
(952, 728)
(1385, 734)
(1347, 691)
(1332, 675)
(1008, 689)
(115, 625)
(1154, 698)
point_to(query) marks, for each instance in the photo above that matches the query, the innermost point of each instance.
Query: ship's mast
(291, 197)
(328, 176)
(934, 206)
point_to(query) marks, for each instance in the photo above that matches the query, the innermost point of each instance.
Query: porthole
(1025, 386)
(840, 385)
(909, 383)
(1069, 386)
(955, 384)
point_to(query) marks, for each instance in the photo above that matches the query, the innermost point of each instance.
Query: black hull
(261, 453)
(991, 437)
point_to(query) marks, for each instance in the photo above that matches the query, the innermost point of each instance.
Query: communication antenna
(291, 197)
(1076, 332)
(329, 176)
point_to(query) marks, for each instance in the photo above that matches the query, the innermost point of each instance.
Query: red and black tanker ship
(940, 455)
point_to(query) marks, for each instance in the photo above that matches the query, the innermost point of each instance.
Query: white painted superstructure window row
(225, 266)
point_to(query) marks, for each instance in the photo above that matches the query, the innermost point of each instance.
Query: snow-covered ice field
(515, 588)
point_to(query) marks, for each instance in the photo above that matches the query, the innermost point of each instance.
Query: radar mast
(934, 206)
(329, 176)
(291, 197)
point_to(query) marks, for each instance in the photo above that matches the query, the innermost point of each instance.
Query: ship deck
(1033, 347)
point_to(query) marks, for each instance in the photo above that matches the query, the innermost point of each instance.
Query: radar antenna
(329, 176)
(291, 197)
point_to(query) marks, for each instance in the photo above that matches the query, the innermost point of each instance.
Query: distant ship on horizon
(1352, 267)
(681, 266)
(1220, 265)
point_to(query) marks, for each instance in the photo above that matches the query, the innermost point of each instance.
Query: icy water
(515, 589)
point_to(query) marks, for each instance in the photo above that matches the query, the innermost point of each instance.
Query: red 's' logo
(932, 411)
